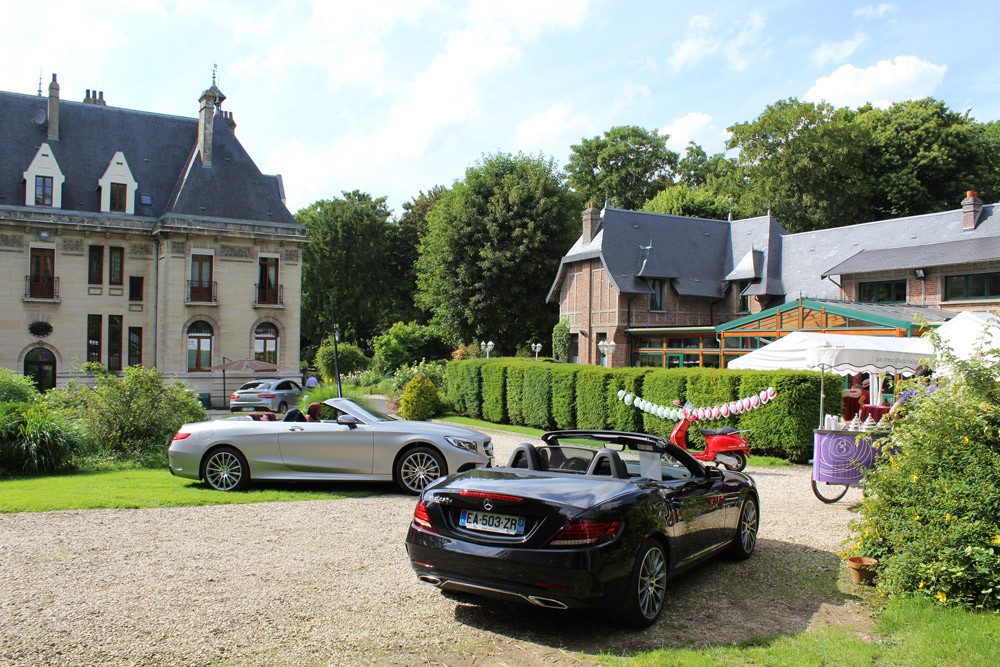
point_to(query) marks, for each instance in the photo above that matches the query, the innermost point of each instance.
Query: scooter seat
(725, 430)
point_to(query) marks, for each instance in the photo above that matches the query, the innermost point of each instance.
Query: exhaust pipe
(547, 603)
(428, 579)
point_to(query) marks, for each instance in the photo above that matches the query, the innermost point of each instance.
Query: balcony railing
(41, 287)
(268, 296)
(201, 291)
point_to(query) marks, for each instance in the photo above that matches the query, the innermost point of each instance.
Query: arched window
(40, 366)
(199, 339)
(265, 343)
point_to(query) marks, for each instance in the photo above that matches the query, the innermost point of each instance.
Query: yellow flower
(921, 585)
(996, 539)
(916, 518)
(942, 597)
(914, 478)
(947, 517)
(965, 439)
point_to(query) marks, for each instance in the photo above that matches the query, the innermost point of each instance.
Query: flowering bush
(470, 351)
(420, 400)
(931, 515)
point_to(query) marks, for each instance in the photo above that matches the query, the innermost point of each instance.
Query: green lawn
(910, 632)
(145, 487)
(759, 461)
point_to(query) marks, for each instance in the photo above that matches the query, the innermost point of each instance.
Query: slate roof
(158, 148)
(934, 254)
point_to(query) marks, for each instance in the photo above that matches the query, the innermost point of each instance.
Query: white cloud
(879, 11)
(538, 130)
(741, 42)
(629, 94)
(837, 52)
(888, 81)
(697, 127)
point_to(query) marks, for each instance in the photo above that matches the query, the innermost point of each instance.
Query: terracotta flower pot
(862, 569)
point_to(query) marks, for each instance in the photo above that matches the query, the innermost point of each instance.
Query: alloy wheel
(748, 527)
(224, 471)
(418, 470)
(652, 582)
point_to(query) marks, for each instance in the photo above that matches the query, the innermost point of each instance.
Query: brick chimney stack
(53, 113)
(972, 206)
(591, 221)
(205, 118)
(228, 117)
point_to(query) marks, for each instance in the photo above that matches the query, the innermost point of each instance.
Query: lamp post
(536, 348)
(486, 347)
(607, 349)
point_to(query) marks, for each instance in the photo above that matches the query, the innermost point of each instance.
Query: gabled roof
(934, 254)
(158, 148)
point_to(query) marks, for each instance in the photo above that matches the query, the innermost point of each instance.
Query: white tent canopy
(964, 334)
(839, 353)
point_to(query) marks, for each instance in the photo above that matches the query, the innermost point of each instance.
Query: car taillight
(585, 532)
(491, 496)
(421, 519)
(267, 395)
(234, 397)
(181, 436)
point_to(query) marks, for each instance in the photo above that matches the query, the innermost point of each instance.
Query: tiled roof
(157, 147)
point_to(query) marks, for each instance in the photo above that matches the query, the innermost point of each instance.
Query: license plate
(492, 523)
(247, 408)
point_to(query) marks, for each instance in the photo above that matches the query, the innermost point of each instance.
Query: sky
(392, 97)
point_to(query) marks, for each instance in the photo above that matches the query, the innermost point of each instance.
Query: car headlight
(462, 443)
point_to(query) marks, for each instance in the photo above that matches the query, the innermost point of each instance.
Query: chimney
(101, 100)
(591, 221)
(972, 205)
(228, 117)
(86, 100)
(54, 108)
(205, 117)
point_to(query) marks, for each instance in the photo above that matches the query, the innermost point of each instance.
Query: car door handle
(295, 428)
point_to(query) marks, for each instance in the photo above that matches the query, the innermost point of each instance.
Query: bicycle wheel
(830, 493)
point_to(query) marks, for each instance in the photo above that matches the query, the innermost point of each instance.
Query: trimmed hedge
(548, 395)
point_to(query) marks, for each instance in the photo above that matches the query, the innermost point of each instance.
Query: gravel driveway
(328, 582)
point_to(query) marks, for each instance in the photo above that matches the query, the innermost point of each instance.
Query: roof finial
(215, 68)
(39, 80)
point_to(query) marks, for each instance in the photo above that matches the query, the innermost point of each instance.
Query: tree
(345, 260)
(923, 157)
(628, 165)
(700, 202)
(409, 343)
(403, 254)
(492, 244)
(805, 162)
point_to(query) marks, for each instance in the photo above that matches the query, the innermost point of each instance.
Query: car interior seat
(607, 463)
(294, 415)
(525, 456)
(312, 412)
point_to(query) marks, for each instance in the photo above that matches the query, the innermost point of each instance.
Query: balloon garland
(733, 408)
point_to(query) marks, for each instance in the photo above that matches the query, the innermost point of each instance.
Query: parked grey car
(342, 441)
(271, 395)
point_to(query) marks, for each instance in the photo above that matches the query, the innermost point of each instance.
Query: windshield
(370, 414)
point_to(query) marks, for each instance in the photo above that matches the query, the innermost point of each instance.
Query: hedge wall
(547, 395)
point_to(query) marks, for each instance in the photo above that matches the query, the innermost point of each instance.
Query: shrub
(494, 393)
(663, 387)
(931, 513)
(623, 417)
(537, 395)
(138, 411)
(564, 395)
(420, 399)
(463, 351)
(591, 398)
(16, 388)
(350, 356)
(407, 344)
(35, 440)
(785, 426)
(561, 340)
(515, 393)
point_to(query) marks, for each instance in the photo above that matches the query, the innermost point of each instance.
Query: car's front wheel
(647, 587)
(417, 468)
(226, 469)
(745, 540)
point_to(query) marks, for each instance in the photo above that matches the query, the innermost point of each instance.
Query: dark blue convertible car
(569, 526)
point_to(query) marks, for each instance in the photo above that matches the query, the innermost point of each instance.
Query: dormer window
(43, 180)
(119, 191)
(43, 191)
(118, 188)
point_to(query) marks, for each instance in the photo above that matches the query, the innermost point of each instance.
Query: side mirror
(347, 420)
(713, 474)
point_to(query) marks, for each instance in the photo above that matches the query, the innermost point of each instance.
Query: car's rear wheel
(647, 587)
(283, 408)
(226, 469)
(417, 468)
(745, 540)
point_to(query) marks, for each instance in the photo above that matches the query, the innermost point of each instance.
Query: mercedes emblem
(487, 505)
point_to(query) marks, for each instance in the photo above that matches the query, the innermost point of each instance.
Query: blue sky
(395, 96)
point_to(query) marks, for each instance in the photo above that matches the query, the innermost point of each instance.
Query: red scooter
(725, 445)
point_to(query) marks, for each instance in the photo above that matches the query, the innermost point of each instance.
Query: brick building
(643, 289)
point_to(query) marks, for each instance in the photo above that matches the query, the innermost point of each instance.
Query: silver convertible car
(337, 440)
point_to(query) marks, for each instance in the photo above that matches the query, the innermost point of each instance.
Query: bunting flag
(709, 413)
